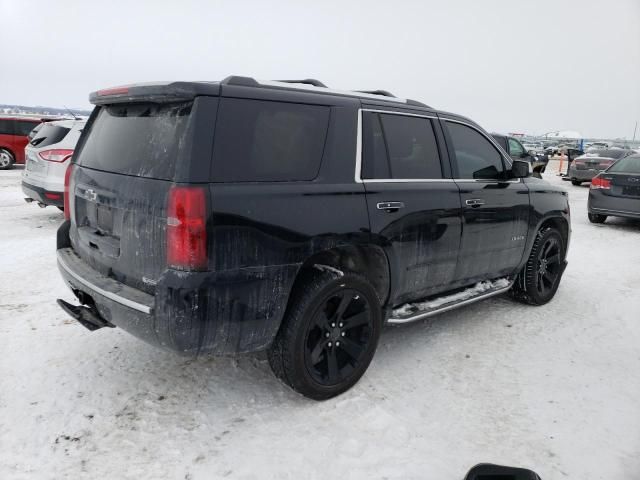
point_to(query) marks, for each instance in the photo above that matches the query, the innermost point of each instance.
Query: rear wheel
(538, 282)
(328, 336)
(596, 218)
(6, 159)
(575, 182)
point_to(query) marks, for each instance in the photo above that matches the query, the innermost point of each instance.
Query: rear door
(414, 205)
(495, 208)
(126, 162)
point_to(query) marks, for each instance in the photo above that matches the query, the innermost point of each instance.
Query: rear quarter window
(262, 141)
(48, 135)
(141, 139)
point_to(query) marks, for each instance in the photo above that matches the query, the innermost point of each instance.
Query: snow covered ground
(554, 388)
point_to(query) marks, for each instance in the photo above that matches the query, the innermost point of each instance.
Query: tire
(328, 335)
(577, 183)
(596, 218)
(538, 281)
(6, 159)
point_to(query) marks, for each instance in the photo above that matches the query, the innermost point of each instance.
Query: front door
(414, 205)
(495, 208)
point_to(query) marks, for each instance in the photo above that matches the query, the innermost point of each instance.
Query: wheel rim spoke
(553, 258)
(357, 320)
(345, 301)
(351, 348)
(333, 372)
(317, 351)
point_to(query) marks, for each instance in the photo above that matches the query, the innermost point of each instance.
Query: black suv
(237, 216)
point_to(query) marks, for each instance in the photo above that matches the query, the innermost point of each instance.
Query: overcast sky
(513, 66)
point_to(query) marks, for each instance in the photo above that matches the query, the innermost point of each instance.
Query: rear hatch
(625, 179)
(125, 164)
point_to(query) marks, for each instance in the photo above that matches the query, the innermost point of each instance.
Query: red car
(14, 133)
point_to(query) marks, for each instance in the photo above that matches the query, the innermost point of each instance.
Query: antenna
(72, 114)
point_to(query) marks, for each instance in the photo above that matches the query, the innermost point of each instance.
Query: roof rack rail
(384, 93)
(308, 81)
(416, 103)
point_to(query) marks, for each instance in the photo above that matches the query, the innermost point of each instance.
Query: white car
(47, 157)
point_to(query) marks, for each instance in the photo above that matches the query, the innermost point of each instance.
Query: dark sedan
(587, 166)
(616, 191)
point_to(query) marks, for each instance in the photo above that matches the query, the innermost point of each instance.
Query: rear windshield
(48, 135)
(626, 165)
(141, 139)
(262, 141)
(607, 153)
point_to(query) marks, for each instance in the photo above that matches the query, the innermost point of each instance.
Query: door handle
(390, 206)
(474, 202)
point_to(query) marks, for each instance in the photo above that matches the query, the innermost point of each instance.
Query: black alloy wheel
(338, 336)
(549, 265)
(328, 335)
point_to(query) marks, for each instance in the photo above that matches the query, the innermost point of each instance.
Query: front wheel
(577, 183)
(596, 218)
(328, 336)
(538, 281)
(6, 159)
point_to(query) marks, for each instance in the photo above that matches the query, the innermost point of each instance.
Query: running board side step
(433, 306)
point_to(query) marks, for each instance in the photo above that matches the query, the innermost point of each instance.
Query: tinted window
(48, 135)
(24, 127)
(476, 157)
(515, 149)
(412, 147)
(268, 141)
(6, 127)
(140, 139)
(608, 153)
(374, 151)
(626, 165)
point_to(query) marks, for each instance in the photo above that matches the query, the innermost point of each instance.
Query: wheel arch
(367, 260)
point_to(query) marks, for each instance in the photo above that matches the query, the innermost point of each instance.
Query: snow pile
(465, 294)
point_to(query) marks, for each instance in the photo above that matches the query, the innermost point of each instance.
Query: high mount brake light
(187, 228)
(113, 91)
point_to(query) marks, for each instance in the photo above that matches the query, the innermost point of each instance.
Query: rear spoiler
(159, 92)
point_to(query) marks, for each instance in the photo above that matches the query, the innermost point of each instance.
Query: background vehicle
(303, 223)
(616, 191)
(587, 166)
(518, 151)
(14, 133)
(47, 157)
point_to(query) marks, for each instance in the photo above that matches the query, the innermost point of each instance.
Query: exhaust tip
(42, 205)
(28, 200)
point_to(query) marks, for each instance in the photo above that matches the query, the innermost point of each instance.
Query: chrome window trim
(358, 171)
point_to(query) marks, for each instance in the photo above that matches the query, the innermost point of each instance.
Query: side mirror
(487, 471)
(525, 154)
(520, 169)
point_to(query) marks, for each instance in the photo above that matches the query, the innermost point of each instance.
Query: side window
(476, 156)
(6, 127)
(412, 147)
(23, 128)
(516, 150)
(264, 141)
(374, 151)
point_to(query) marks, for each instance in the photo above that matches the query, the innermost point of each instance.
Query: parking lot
(554, 388)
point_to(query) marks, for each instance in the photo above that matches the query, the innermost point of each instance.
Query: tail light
(602, 183)
(606, 163)
(57, 155)
(187, 228)
(67, 202)
(578, 162)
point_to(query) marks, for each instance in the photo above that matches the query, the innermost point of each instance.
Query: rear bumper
(191, 313)
(603, 204)
(582, 175)
(39, 194)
